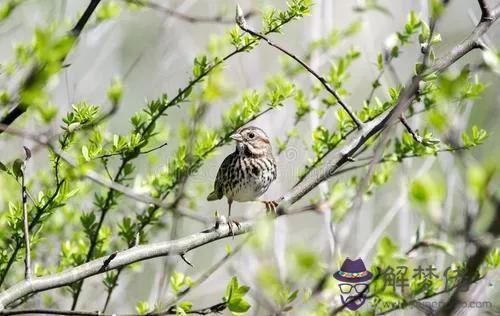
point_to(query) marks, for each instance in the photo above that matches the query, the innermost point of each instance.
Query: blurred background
(152, 52)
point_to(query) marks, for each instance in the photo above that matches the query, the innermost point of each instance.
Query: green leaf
(386, 247)
(234, 297)
(2, 167)
(425, 33)
(185, 305)
(493, 258)
(292, 296)
(115, 91)
(419, 68)
(17, 168)
(142, 308)
(238, 306)
(85, 153)
(380, 61)
(107, 10)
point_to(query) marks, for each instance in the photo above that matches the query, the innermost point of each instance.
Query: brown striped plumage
(246, 173)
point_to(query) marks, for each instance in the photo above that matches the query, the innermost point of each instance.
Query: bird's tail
(213, 196)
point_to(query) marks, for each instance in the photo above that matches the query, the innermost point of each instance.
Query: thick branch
(214, 309)
(486, 13)
(373, 127)
(116, 260)
(468, 44)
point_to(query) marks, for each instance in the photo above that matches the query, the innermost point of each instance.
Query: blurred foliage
(83, 221)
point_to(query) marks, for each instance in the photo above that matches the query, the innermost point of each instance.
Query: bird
(247, 173)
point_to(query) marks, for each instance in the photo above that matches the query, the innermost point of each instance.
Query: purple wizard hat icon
(353, 271)
(353, 287)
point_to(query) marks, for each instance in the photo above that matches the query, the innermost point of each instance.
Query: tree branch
(240, 20)
(214, 309)
(486, 12)
(371, 128)
(183, 245)
(474, 262)
(117, 260)
(410, 130)
(78, 28)
(188, 18)
(27, 257)
(468, 44)
(20, 108)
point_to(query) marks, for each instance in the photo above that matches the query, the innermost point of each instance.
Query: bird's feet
(271, 207)
(230, 223)
(220, 220)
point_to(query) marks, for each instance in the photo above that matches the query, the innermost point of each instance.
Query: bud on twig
(240, 17)
(27, 152)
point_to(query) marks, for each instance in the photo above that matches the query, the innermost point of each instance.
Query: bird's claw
(221, 220)
(271, 207)
(230, 223)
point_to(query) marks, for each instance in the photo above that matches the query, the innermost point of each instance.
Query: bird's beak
(237, 137)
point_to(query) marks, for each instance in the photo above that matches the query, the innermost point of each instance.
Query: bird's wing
(217, 192)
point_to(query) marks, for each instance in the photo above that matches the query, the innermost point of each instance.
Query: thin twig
(240, 20)
(410, 130)
(20, 108)
(94, 176)
(103, 156)
(389, 157)
(205, 275)
(34, 222)
(78, 28)
(220, 19)
(27, 258)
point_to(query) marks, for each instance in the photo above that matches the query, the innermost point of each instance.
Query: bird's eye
(251, 135)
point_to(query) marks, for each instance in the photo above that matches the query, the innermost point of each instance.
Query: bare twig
(240, 20)
(27, 258)
(202, 278)
(188, 18)
(410, 130)
(214, 309)
(78, 28)
(390, 158)
(141, 153)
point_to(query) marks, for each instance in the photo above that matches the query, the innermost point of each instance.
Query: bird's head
(252, 141)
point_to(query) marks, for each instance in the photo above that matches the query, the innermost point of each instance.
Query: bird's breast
(251, 178)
